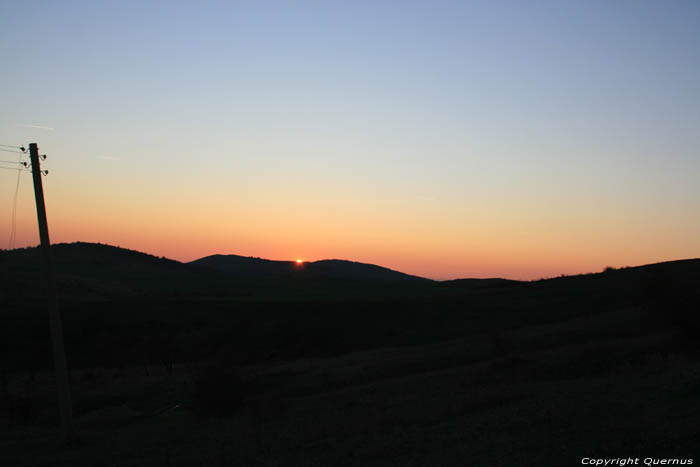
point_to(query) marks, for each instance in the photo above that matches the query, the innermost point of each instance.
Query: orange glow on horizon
(450, 240)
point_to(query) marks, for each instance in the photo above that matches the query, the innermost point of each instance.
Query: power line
(21, 169)
(13, 230)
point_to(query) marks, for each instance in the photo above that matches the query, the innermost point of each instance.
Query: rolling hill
(88, 271)
(98, 271)
(157, 346)
(242, 266)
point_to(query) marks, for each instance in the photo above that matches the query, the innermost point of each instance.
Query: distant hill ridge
(99, 254)
(97, 271)
(327, 268)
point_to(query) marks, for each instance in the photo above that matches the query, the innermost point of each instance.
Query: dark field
(417, 373)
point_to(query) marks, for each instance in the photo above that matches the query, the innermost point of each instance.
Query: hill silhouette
(98, 271)
(243, 266)
(94, 270)
(341, 356)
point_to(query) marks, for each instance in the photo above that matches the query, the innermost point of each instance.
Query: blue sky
(578, 118)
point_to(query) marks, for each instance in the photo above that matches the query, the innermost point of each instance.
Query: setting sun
(299, 261)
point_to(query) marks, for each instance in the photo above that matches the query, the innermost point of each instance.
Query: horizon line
(605, 268)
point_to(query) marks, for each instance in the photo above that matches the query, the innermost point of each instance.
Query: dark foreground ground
(542, 373)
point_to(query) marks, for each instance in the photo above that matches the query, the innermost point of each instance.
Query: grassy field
(545, 394)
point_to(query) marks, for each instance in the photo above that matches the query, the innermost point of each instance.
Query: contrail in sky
(40, 127)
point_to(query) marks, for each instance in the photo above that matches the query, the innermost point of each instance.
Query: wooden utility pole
(59, 354)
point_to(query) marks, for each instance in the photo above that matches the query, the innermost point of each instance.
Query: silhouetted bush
(218, 388)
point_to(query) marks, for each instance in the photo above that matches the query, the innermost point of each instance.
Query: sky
(518, 139)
